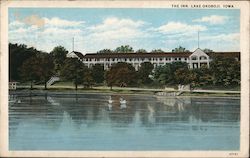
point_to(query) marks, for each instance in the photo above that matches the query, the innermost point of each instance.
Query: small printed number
(233, 154)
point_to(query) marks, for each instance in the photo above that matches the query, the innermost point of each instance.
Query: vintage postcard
(124, 78)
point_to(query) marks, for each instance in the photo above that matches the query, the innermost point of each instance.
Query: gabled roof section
(199, 52)
(79, 54)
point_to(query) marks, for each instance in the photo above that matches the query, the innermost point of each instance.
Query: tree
(182, 76)
(18, 54)
(73, 70)
(28, 70)
(121, 74)
(105, 51)
(87, 79)
(124, 49)
(226, 71)
(98, 73)
(206, 50)
(141, 51)
(59, 55)
(144, 71)
(45, 68)
(168, 74)
(37, 68)
(180, 49)
(157, 51)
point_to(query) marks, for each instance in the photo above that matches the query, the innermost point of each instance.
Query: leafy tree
(18, 54)
(45, 68)
(87, 79)
(105, 51)
(28, 70)
(141, 51)
(144, 71)
(226, 71)
(121, 74)
(181, 76)
(124, 49)
(180, 49)
(206, 50)
(168, 74)
(157, 51)
(37, 68)
(98, 73)
(73, 70)
(59, 55)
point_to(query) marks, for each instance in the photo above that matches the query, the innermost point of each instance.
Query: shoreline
(70, 92)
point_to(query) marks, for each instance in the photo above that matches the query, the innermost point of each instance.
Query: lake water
(87, 122)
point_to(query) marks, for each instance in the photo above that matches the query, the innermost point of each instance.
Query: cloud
(57, 22)
(114, 28)
(45, 36)
(115, 23)
(231, 37)
(213, 19)
(16, 24)
(179, 28)
(221, 42)
(34, 20)
(113, 32)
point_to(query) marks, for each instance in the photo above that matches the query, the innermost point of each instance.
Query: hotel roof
(155, 55)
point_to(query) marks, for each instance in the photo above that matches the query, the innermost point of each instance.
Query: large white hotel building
(194, 59)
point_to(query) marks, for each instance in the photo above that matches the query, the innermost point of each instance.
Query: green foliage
(18, 54)
(222, 72)
(206, 50)
(88, 79)
(98, 73)
(73, 70)
(157, 51)
(28, 70)
(226, 71)
(180, 49)
(105, 51)
(141, 51)
(121, 74)
(172, 73)
(59, 55)
(124, 49)
(37, 68)
(144, 71)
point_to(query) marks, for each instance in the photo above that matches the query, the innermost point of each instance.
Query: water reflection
(93, 114)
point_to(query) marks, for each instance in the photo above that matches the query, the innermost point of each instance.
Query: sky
(94, 29)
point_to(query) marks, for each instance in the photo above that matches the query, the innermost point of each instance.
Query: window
(179, 58)
(194, 58)
(203, 58)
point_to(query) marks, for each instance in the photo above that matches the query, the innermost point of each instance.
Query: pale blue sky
(95, 29)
